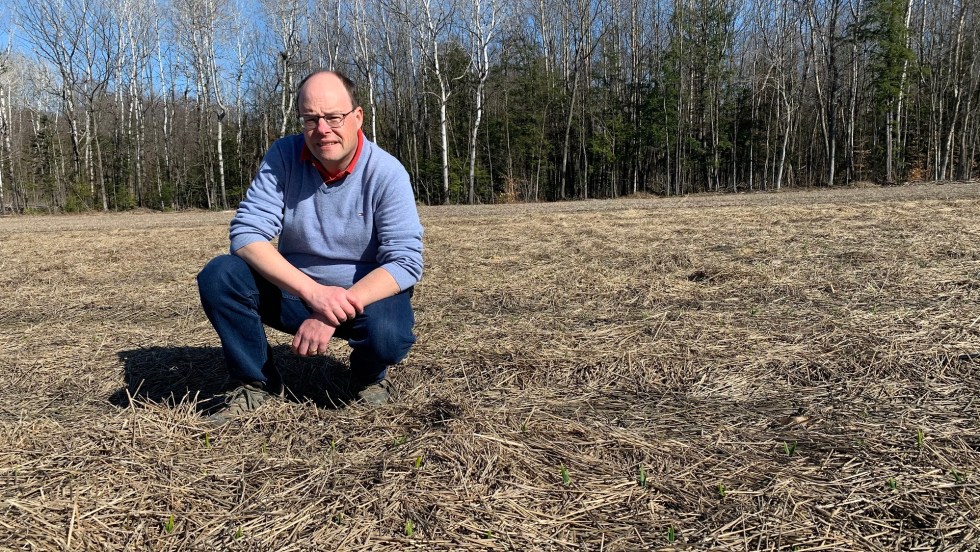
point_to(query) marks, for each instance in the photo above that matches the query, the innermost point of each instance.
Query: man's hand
(335, 304)
(313, 336)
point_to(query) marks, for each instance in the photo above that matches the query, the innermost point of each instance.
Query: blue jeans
(238, 301)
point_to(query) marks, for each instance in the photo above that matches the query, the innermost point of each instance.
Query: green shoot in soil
(790, 449)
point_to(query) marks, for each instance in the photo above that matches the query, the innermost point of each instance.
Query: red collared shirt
(327, 176)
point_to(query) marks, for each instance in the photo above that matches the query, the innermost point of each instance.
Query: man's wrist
(320, 318)
(308, 291)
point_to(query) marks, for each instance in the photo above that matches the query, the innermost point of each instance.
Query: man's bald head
(321, 74)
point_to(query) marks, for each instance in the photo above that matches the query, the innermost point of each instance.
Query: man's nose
(321, 125)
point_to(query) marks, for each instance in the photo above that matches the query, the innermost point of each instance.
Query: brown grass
(697, 338)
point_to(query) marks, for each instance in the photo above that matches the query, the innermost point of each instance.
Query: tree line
(170, 104)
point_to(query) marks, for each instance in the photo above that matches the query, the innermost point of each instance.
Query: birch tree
(206, 26)
(285, 19)
(483, 26)
(778, 37)
(435, 23)
(6, 154)
(364, 58)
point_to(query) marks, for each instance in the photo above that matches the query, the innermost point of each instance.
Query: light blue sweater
(334, 233)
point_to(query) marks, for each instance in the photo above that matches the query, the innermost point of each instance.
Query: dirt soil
(781, 371)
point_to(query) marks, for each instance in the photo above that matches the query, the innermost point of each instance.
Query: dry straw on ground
(744, 372)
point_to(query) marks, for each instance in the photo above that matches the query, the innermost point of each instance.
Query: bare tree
(208, 28)
(483, 26)
(824, 25)
(326, 33)
(399, 57)
(57, 31)
(6, 152)
(582, 41)
(435, 24)
(245, 43)
(137, 21)
(778, 36)
(364, 58)
(285, 18)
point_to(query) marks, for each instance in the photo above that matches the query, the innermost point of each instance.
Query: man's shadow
(197, 375)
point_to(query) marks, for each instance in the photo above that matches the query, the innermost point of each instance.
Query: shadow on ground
(197, 375)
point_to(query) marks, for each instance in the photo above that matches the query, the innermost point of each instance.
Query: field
(791, 371)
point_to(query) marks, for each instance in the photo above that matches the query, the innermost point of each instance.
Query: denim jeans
(238, 301)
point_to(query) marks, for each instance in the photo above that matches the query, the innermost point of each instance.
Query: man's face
(324, 94)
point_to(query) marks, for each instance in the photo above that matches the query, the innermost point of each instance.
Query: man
(349, 253)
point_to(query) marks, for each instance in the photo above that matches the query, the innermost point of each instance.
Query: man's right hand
(336, 304)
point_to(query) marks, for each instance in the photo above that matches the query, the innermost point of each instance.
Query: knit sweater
(335, 233)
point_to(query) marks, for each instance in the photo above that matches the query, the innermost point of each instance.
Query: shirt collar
(327, 176)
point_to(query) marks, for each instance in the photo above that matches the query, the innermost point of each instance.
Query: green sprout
(790, 449)
(957, 476)
(409, 527)
(641, 478)
(526, 421)
(721, 490)
(400, 440)
(566, 479)
(418, 462)
(168, 525)
(920, 438)
(333, 445)
(207, 441)
(238, 533)
(892, 483)
(671, 534)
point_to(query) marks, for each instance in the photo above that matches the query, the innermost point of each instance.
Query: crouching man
(349, 253)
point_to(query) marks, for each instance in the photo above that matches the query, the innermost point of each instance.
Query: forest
(170, 104)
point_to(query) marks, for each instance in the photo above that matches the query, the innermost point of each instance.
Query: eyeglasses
(310, 122)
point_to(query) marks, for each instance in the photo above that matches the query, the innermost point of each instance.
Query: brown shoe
(247, 397)
(377, 393)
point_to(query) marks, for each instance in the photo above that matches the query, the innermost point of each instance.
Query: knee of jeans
(390, 346)
(215, 278)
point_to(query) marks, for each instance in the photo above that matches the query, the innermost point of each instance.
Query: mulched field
(789, 371)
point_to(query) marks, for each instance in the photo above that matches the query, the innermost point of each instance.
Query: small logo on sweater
(360, 214)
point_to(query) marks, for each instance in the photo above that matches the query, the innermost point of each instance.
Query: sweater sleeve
(399, 230)
(260, 214)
